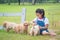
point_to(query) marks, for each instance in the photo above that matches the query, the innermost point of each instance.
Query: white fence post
(23, 16)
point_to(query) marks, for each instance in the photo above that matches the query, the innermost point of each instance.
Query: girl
(42, 21)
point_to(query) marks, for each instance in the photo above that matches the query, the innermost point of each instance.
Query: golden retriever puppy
(8, 25)
(34, 30)
(17, 28)
(22, 28)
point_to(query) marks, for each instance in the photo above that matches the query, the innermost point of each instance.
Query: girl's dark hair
(41, 11)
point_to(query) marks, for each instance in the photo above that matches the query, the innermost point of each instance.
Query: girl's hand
(33, 24)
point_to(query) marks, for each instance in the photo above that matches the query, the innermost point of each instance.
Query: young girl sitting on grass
(43, 22)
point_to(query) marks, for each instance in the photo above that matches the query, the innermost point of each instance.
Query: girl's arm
(46, 24)
(46, 27)
(33, 22)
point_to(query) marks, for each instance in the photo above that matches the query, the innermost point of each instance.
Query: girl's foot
(52, 34)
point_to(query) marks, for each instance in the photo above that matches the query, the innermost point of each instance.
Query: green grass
(30, 15)
(13, 36)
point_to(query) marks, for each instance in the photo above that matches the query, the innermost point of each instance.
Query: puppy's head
(4, 24)
(26, 23)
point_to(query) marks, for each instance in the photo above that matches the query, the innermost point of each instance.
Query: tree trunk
(40, 1)
(23, 2)
(19, 2)
(33, 2)
(8, 2)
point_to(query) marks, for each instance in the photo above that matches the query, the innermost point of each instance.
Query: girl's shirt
(46, 21)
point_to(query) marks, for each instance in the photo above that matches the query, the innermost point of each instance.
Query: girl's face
(39, 15)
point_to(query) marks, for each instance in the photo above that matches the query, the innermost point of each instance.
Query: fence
(22, 14)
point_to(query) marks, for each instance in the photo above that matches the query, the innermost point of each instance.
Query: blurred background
(52, 12)
(33, 2)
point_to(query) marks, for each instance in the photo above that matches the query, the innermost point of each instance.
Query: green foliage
(31, 1)
(2, 1)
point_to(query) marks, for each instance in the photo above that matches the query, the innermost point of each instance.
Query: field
(52, 12)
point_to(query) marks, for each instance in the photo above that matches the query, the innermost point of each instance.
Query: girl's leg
(49, 33)
(52, 33)
(45, 33)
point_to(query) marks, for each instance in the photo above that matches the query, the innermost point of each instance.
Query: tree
(2, 1)
(57, 1)
(23, 2)
(8, 2)
(40, 1)
(19, 2)
(33, 2)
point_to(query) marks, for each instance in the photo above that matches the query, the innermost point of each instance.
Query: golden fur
(34, 30)
(8, 25)
(22, 28)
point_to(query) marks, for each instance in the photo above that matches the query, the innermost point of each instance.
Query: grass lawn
(52, 12)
